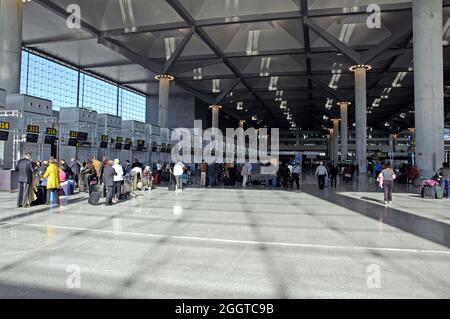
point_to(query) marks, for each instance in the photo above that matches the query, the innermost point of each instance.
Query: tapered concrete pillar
(215, 115)
(361, 116)
(164, 84)
(428, 85)
(394, 141)
(344, 129)
(11, 12)
(331, 143)
(335, 141)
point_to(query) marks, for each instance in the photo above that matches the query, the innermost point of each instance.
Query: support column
(344, 129)
(164, 84)
(394, 138)
(215, 115)
(335, 141)
(330, 143)
(361, 116)
(428, 85)
(242, 123)
(11, 12)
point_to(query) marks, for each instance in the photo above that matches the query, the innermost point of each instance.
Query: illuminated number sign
(128, 141)
(33, 129)
(105, 138)
(73, 134)
(4, 125)
(141, 142)
(119, 140)
(51, 131)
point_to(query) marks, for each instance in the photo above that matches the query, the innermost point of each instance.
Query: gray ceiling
(252, 49)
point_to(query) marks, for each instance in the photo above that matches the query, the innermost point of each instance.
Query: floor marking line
(246, 242)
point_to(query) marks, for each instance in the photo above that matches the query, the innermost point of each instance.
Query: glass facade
(54, 81)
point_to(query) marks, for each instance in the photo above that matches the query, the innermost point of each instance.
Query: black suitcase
(41, 195)
(94, 198)
(428, 192)
(172, 185)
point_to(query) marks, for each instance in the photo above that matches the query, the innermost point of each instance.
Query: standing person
(108, 181)
(52, 177)
(244, 173)
(178, 170)
(388, 183)
(322, 175)
(89, 173)
(296, 171)
(286, 175)
(203, 171)
(212, 174)
(249, 170)
(26, 171)
(118, 179)
(334, 172)
(97, 166)
(74, 169)
(444, 173)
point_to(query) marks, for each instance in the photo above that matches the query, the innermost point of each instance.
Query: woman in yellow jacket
(52, 176)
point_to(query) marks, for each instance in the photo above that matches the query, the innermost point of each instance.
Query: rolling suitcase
(94, 197)
(428, 192)
(439, 192)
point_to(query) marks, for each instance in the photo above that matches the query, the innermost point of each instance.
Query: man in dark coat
(25, 178)
(74, 168)
(108, 181)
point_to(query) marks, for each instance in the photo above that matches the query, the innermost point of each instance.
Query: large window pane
(98, 95)
(132, 106)
(52, 81)
(23, 73)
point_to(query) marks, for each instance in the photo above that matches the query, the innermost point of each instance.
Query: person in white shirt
(244, 173)
(118, 179)
(178, 170)
(137, 175)
(322, 175)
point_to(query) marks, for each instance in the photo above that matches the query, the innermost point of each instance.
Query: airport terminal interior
(338, 183)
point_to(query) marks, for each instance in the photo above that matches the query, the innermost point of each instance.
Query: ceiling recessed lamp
(353, 68)
(164, 76)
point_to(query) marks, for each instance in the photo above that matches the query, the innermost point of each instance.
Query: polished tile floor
(229, 243)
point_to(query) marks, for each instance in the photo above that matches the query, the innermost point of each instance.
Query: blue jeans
(212, 181)
(274, 181)
(445, 184)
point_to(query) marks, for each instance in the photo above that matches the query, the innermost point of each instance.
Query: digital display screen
(72, 142)
(119, 140)
(4, 125)
(141, 142)
(128, 141)
(82, 136)
(169, 148)
(103, 144)
(118, 146)
(51, 131)
(49, 139)
(73, 134)
(32, 138)
(4, 135)
(33, 129)
(105, 138)
(127, 147)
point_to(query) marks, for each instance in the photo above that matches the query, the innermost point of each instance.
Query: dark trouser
(295, 179)
(109, 194)
(212, 180)
(22, 197)
(445, 184)
(388, 187)
(321, 179)
(86, 182)
(334, 181)
(118, 189)
(76, 179)
(55, 193)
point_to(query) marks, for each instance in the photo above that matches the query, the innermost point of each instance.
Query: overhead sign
(4, 125)
(51, 131)
(73, 134)
(104, 138)
(34, 129)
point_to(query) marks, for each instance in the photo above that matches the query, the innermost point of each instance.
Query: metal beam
(370, 55)
(224, 94)
(190, 90)
(351, 54)
(168, 66)
(57, 39)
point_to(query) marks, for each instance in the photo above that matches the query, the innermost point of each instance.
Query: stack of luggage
(432, 189)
